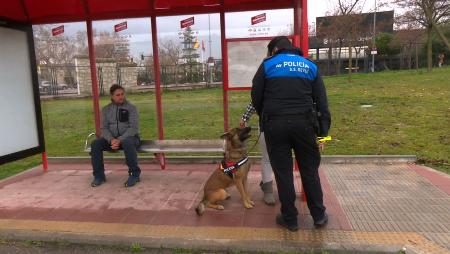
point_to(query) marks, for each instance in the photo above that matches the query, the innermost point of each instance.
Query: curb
(209, 245)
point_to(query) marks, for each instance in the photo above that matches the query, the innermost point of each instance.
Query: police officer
(287, 91)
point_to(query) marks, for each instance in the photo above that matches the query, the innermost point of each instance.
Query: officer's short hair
(280, 42)
(114, 88)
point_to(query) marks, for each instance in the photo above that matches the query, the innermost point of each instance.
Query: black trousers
(129, 146)
(284, 134)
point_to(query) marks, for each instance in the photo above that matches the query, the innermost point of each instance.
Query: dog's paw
(220, 207)
(248, 205)
(252, 203)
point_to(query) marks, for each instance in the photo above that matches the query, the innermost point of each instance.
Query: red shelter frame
(55, 11)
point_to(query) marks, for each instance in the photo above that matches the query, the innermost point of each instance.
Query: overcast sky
(206, 26)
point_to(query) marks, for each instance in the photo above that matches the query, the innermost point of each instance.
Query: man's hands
(115, 144)
(321, 146)
(242, 123)
(321, 142)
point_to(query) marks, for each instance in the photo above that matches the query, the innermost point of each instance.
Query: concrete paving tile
(365, 197)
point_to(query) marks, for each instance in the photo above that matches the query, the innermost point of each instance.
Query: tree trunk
(357, 51)
(330, 57)
(429, 49)
(350, 62)
(409, 56)
(338, 71)
(384, 64)
(417, 57)
(402, 57)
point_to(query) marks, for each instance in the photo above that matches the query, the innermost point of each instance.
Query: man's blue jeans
(129, 146)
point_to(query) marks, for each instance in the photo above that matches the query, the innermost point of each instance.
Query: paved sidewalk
(372, 207)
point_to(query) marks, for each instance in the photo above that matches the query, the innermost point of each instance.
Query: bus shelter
(22, 13)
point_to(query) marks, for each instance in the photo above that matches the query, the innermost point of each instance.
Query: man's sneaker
(321, 222)
(132, 180)
(280, 221)
(97, 181)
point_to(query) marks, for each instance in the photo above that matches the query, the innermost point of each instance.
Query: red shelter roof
(56, 11)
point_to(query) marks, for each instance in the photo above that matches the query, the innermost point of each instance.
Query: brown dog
(215, 187)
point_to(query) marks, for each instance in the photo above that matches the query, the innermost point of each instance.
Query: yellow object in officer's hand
(323, 139)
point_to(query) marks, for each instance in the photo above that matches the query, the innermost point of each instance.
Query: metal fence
(75, 80)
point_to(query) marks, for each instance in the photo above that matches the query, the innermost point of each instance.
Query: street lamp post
(210, 50)
(373, 40)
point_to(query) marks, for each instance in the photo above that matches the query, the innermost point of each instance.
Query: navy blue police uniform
(287, 90)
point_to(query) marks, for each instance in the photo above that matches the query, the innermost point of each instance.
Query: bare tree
(109, 45)
(52, 49)
(409, 40)
(348, 27)
(106, 45)
(429, 14)
(327, 37)
(170, 52)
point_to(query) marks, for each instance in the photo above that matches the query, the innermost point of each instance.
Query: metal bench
(160, 147)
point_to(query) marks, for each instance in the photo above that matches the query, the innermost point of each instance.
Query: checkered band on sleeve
(250, 110)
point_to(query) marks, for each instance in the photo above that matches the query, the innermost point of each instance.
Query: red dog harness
(229, 168)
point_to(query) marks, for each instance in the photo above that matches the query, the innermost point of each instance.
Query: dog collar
(229, 168)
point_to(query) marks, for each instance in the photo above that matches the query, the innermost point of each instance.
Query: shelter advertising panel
(20, 110)
(244, 59)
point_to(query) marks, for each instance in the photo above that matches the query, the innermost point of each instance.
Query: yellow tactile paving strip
(309, 237)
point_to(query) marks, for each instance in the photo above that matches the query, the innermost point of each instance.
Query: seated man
(120, 130)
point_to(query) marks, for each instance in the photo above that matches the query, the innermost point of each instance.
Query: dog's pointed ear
(226, 135)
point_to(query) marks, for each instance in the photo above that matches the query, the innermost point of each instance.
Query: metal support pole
(224, 70)
(301, 26)
(305, 42)
(373, 40)
(209, 35)
(95, 97)
(161, 157)
(157, 79)
(297, 24)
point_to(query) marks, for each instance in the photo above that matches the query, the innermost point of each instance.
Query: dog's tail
(201, 207)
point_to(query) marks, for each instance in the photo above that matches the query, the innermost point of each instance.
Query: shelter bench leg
(44, 161)
(162, 160)
(299, 181)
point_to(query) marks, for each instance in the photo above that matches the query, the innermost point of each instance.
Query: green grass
(136, 247)
(410, 115)
(19, 166)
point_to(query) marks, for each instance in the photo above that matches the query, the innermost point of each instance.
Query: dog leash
(254, 145)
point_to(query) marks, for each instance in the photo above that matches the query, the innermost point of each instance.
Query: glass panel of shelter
(124, 56)
(66, 108)
(191, 76)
